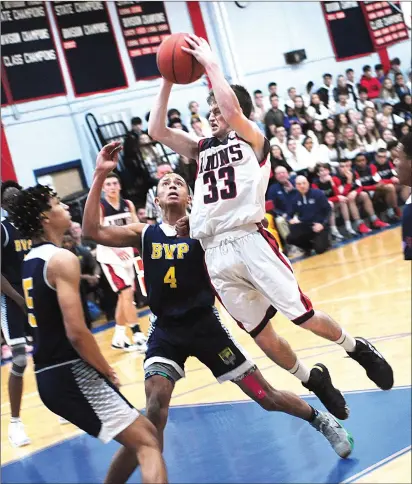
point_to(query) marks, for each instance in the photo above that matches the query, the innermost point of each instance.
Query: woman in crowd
(317, 110)
(369, 112)
(353, 117)
(404, 108)
(352, 146)
(388, 93)
(387, 119)
(331, 125)
(300, 112)
(387, 136)
(342, 123)
(290, 118)
(317, 132)
(329, 151)
(277, 158)
(367, 142)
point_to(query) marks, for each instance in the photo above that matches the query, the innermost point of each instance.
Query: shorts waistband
(229, 236)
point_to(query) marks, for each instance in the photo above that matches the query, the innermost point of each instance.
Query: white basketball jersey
(230, 186)
(113, 216)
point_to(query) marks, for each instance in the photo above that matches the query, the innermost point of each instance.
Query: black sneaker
(320, 383)
(377, 368)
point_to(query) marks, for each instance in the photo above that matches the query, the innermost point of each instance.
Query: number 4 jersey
(175, 275)
(230, 186)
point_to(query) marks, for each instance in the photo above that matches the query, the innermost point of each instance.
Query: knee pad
(18, 360)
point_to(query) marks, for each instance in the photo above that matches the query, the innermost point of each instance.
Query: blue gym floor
(241, 443)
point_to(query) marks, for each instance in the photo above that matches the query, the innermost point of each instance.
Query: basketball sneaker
(124, 344)
(140, 340)
(377, 368)
(339, 438)
(320, 383)
(364, 229)
(17, 434)
(378, 224)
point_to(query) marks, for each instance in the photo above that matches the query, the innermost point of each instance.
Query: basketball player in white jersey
(251, 276)
(118, 266)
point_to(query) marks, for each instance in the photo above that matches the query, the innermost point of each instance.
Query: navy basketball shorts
(13, 320)
(200, 334)
(80, 394)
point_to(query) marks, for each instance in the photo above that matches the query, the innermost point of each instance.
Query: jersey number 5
(227, 173)
(27, 287)
(170, 278)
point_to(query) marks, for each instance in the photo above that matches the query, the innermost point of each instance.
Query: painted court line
(382, 462)
(363, 296)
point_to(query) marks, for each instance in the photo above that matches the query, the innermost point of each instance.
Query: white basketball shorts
(254, 280)
(120, 277)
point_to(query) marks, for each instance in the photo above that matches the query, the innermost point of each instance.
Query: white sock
(15, 419)
(348, 225)
(347, 341)
(119, 331)
(300, 371)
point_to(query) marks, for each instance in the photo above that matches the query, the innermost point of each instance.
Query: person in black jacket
(325, 93)
(308, 218)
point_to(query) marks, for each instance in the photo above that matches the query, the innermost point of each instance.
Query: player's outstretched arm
(63, 273)
(225, 97)
(176, 139)
(112, 236)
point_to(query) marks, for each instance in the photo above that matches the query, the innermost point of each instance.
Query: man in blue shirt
(404, 169)
(309, 218)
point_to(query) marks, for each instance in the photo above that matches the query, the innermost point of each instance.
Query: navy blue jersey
(175, 275)
(13, 250)
(52, 344)
(407, 230)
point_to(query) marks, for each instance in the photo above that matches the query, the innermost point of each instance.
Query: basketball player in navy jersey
(13, 311)
(187, 323)
(73, 378)
(118, 266)
(250, 274)
(404, 170)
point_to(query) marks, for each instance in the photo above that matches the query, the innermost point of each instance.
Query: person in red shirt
(387, 171)
(368, 180)
(371, 83)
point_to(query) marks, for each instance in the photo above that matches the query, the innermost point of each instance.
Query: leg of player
(353, 198)
(318, 380)
(16, 433)
(258, 389)
(359, 349)
(344, 209)
(126, 298)
(332, 221)
(140, 446)
(120, 339)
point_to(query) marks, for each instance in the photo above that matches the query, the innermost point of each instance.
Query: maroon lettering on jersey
(221, 156)
(366, 175)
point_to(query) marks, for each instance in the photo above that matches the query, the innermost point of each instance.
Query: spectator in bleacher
(281, 194)
(363, 102)
(329, 151)
(308, 218)
(343, 103)
(369, 112)
(260, 110)
(353, 116)
(357, 197)
(174, 116)
(341, 86)
(326, 91)
(386, 170)
(404, 129)
(370, 83)
(308, 93)
(388, 93)
(291, 155)
(391, 119)
(368, 179)
(395, 68)
(149, 155)
(141, 214)
(310, 152)
(296, 132)
(199, 129)
(387, 136)
(331, 186)
(404, 108)
(318, 131)
(280, 139)
(372, 130)
(401, 88)
(342, 122)
(380, 73)
(290, 118)
(350, 82)
(409, 83)
(272, 88)
(331, 125)
(351, 145)
(277, 158)
(290, 101)
(317, 110)
(275, 116)
(195, 114)
(153, 212)
(367, 142)
(300, 112)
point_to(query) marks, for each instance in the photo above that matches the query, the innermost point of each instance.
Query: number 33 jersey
(175, 275)
(230, 186)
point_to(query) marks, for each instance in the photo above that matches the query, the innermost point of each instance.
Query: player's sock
(300, 371)
(373, 218)
(135, 327)
(119, 333)
(15, 419)
(358, 222)
(390, 212)
(347, 341)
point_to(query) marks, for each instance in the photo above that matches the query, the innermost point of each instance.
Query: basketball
(174, 64)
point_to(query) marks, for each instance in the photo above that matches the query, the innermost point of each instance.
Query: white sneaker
(336, 234)
(17, 434)
(140, 340)
(124, 344)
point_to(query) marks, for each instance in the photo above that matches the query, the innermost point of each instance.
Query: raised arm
(112, 236)
(176, 139)
(225, 97)
(63, 272)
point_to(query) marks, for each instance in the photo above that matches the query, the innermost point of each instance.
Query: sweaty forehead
(172, 176)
